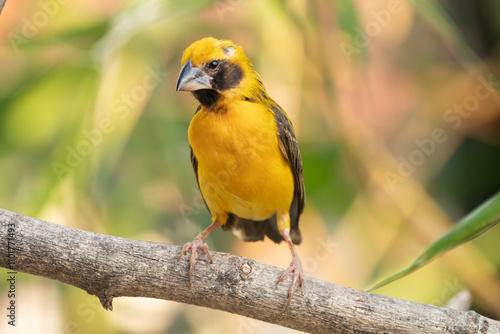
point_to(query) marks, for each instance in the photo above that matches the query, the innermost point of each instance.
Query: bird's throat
(207, 97)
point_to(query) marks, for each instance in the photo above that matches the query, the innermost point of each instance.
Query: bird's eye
(213, 64)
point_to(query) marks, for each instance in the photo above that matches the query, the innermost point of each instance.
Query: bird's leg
(295, 268)
(196, 244)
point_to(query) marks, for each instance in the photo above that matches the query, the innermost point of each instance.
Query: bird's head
(213, 68)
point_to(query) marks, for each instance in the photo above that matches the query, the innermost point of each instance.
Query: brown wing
(290, 150)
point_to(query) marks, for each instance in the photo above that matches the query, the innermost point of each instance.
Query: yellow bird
(244, 152)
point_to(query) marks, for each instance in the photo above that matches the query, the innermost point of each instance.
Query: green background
(94, 136)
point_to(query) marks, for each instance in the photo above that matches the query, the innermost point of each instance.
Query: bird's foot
(297, 276)
(196, 244)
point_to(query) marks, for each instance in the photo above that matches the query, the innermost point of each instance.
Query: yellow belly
(241, 169)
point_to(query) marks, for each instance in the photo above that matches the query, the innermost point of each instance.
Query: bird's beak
(192, 78)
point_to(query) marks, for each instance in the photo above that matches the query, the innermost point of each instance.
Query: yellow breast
(241, 169)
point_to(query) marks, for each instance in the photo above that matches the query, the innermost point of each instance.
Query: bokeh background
(395, 104)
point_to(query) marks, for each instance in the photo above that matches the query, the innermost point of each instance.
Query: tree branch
(2, 4)
(110, 267)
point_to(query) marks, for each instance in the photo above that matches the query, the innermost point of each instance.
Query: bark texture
(110, 267)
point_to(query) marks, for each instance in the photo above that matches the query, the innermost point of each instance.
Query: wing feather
(290, 149)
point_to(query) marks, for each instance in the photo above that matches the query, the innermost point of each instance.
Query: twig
(110, 267)
(2, 4)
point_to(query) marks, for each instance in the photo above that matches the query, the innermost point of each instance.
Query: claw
(196, 244)
(297, 275)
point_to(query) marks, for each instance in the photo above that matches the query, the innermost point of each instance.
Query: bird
(244, 153)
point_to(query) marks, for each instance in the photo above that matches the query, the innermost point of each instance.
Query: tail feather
(251, 230)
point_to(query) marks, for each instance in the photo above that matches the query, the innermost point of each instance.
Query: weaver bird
(244, 152)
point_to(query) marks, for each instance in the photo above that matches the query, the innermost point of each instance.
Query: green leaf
(473, 225)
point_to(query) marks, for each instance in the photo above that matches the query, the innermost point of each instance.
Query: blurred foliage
(473, 225)
(395, 104)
